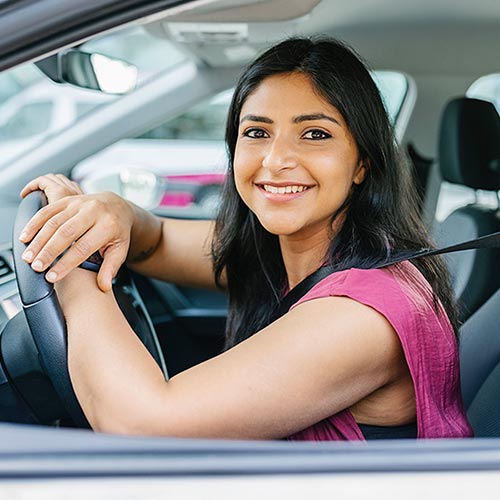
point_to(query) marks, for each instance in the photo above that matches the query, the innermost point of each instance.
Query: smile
(284, 189)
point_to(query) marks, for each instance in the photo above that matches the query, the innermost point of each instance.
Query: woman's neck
(303, 256)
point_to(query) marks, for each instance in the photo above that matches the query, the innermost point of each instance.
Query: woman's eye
(316, 134)
(255, 133)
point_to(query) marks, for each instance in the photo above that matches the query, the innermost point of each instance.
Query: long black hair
(380, 216)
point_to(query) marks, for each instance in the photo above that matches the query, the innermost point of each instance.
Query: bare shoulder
(339, 322)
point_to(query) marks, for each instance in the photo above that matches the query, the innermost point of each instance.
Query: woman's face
(295, 160)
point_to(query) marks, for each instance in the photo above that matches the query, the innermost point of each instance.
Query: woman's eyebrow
(315, 116)
(296, 119)
(256, 118)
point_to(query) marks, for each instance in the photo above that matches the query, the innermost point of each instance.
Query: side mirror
(142, 187)
(90, 71)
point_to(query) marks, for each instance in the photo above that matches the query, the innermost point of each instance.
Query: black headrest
(469, 144)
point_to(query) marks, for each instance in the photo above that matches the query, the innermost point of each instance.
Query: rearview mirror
(90, 71)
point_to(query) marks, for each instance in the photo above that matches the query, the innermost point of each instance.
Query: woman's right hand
(76, 225)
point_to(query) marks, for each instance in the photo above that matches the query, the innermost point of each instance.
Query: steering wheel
(46, 321)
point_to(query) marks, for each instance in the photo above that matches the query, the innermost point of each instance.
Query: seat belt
(296, 293)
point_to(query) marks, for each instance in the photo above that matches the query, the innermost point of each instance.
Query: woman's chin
(280, 228)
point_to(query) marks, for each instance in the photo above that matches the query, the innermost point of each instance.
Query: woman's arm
(321, 357)
(77, 225)
(182, 253)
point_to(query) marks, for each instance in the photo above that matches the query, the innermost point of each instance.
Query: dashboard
(10, 303)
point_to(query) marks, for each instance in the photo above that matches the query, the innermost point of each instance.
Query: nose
(280, 154)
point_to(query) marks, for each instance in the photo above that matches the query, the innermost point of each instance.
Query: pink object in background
(176, 199)
(181, 190)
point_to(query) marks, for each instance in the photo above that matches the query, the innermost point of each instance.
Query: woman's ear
(361, 172)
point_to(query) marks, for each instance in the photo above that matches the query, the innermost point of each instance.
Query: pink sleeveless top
(404, 297)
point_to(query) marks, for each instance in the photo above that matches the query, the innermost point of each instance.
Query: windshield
(34, 108)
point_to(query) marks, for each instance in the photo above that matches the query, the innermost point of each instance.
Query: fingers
(73, 228)
(71, 185)
(57, 235)
(56, 228)
(42, 182)
(114, 257)
(40, 218)
(83, 248)
(55, 187)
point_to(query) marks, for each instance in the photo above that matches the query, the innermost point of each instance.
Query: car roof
(413, 36)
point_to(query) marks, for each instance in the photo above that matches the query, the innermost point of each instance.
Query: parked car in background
(187, 152)
(40, 110)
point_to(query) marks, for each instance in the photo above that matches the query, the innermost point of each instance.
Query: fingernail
(37, 265)
(23, 236)
(28, 256)
(51, 276)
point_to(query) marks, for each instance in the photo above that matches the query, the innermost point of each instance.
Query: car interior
(450, 135)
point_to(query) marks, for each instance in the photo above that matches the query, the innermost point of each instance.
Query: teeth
(284, 189)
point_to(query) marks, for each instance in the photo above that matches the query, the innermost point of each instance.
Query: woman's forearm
(114, 376)
(145, 235)
(173, 250)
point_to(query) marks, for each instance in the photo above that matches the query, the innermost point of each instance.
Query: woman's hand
(76, 225)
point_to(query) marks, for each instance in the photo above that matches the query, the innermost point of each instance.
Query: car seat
(469, 155)
(480, 368)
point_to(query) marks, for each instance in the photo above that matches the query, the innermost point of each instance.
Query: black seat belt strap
(487, 241)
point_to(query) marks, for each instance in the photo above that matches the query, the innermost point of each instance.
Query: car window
(33, 107)
(83, 108)
(453, 196)
(29, 120)
(204, 122)
(394, 87)
(149, 54)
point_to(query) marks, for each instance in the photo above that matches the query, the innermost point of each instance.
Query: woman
(313, 178)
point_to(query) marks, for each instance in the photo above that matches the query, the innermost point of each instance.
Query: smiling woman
(313, 178)
(284, 156)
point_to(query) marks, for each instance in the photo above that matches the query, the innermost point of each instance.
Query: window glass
(149, 54)
(394, 87)
(204, 122)
(453, 196)
(28, 121)
(32, 107)
(82, 108)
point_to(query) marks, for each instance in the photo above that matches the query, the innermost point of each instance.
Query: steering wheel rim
(43, 314)
(46, 320)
